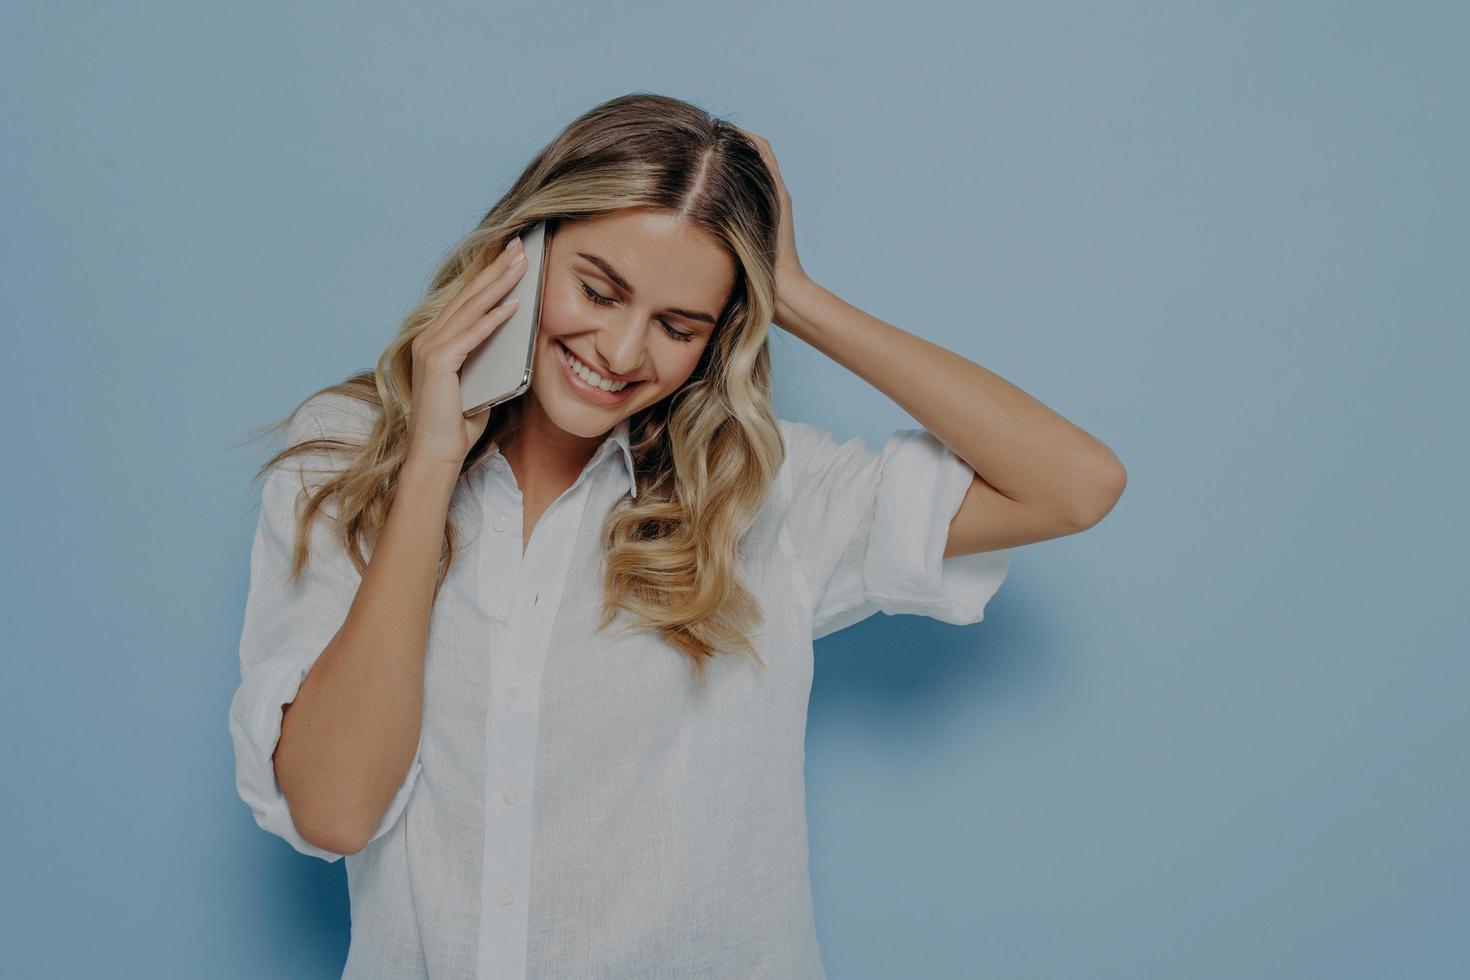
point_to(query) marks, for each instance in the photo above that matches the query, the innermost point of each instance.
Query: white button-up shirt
(575, 807)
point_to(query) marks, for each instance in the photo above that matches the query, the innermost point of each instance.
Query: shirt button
(515, 689)
(504, 897)
(511, 796)
(502, 522)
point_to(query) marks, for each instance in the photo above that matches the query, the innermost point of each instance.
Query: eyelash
(602, 300)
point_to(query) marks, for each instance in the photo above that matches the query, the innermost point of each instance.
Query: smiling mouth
(567, 356)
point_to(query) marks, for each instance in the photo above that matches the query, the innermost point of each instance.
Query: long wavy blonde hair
(705, 456)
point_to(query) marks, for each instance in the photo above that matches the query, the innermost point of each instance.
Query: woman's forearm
(1015, 443)
(349, 738)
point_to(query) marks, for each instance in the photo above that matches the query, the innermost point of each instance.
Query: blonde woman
(541, 674)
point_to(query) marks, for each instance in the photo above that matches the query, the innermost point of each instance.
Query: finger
(475, 285)
(474, 334)
(487, 296)
(486, 275)
(470, 308)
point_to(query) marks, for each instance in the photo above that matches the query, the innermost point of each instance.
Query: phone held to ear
(500, 368)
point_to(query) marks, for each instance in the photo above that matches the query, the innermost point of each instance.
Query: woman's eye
(602, 300)
(594, 295)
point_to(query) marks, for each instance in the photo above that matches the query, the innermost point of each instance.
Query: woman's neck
(545, 458)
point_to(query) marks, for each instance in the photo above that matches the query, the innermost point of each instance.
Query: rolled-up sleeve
(286, 627)
(868, 529)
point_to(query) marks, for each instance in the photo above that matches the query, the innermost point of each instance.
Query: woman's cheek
(688, 361)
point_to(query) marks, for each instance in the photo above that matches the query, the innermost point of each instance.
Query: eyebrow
(626, 287)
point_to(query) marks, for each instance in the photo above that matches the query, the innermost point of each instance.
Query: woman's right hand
(438, 432)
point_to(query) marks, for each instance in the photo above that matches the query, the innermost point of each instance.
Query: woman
(519, 790)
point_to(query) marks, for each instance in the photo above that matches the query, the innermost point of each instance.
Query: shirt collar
(622, 440)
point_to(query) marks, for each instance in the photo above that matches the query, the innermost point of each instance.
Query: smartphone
(500, 368)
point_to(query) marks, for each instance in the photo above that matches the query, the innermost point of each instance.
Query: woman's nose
(624, 350)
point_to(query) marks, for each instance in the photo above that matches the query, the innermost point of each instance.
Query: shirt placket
(525, 591)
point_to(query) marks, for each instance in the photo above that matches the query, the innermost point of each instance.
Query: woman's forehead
(656, 254)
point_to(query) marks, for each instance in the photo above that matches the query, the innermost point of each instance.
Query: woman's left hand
(789, 272)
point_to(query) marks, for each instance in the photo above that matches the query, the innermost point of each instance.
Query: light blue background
(1220, 735)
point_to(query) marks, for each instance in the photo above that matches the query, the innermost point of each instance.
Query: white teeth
(590, 376)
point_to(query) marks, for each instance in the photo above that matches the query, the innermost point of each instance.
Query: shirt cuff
(904, 569)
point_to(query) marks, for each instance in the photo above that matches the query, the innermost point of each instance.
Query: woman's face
(631, 295)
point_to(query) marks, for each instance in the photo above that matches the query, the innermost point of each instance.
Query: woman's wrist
(428, 473)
